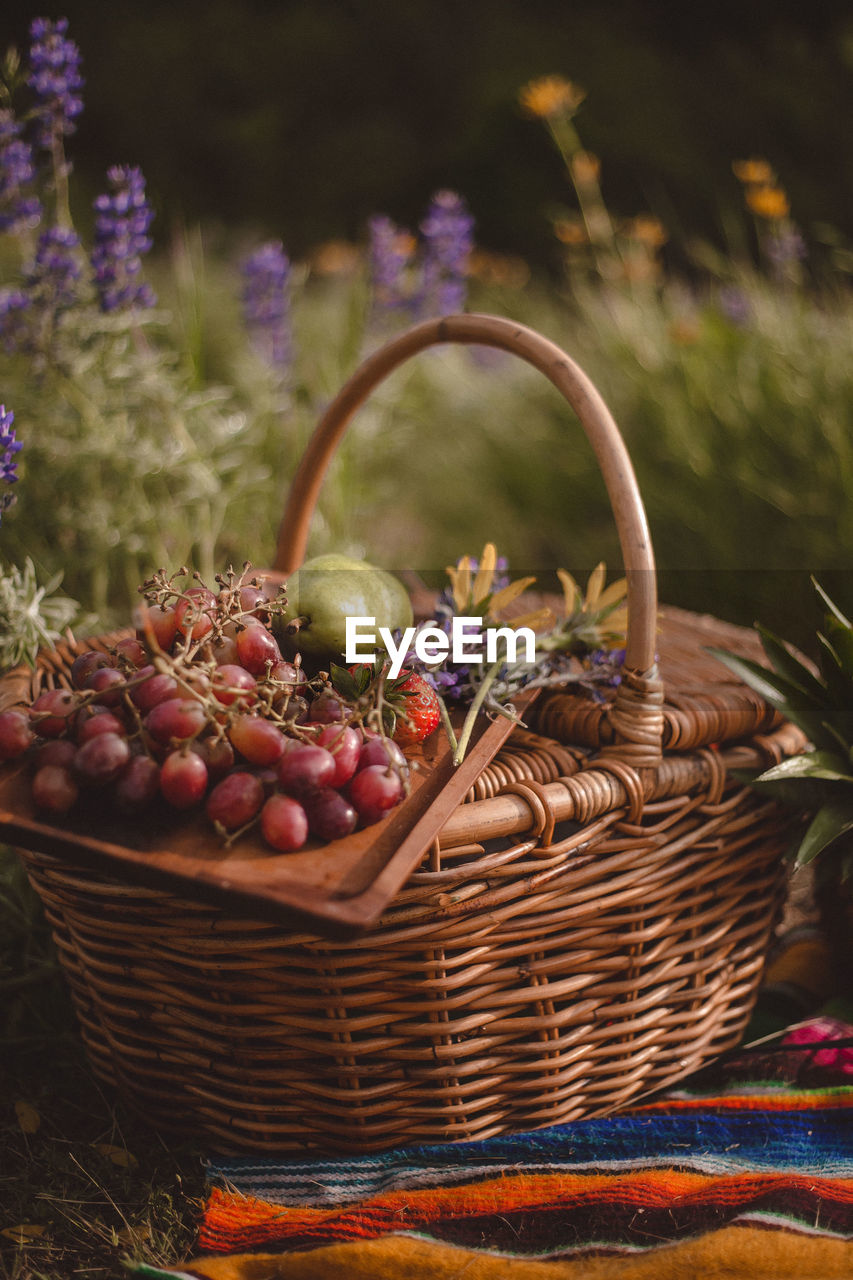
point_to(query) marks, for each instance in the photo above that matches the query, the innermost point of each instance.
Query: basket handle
(636, 713)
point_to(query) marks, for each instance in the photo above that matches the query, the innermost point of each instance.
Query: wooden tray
(337, 887)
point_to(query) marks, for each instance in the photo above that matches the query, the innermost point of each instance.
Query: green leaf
(833, 608)
(832, 821)
(787, 697)
(811, 764)
(805, 794)
(836, 661)
(344, 682)
(788, 665)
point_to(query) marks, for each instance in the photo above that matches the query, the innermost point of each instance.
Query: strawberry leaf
(389, 719)
(346, 683)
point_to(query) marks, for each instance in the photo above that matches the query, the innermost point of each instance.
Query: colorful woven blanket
(747, 1172)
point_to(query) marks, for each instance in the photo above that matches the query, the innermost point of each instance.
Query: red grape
(108, 683)
(85, 663)
(164, 625)
(232, 683)
(374, 791)
(101, 759)
(154, 687)
(383, 751)
(92, 725)
(15, 733)
(224, 650)
(330, 815)
(138, 785)
(183, 779)
(193, 612)
(253, 599)
(217, 754)
(54, 789)
(175, 720)
(344, 743)
(132, 651)
(51, 712)
(259, 741)
(256, 647)
(291, 678)
(328, 709)
(297, 710)
(236, 800)
(305, 768)
(55, 751)
(284, 823)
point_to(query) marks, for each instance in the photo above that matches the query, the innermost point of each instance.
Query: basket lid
(704, 704)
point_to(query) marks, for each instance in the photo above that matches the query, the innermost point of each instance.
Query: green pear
(331, 588)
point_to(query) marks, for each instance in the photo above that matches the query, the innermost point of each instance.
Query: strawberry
(418, 709)
(410, 709)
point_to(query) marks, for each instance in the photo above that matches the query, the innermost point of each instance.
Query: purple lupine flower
(18, 211)
(392, 250)
(55, 79)
(28, 314)
(51, 279)
(266, 303)
(9, 446)
(448, 240)
(122, 218)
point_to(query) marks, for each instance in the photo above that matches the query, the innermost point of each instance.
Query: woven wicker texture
(590, 926)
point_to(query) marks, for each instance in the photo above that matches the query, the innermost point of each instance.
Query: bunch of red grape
(200, 708)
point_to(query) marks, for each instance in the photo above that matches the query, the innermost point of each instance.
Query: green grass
(89, 1185)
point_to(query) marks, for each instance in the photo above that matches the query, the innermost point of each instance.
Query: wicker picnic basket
(591, 924)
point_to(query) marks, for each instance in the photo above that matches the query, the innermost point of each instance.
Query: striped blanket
(746, 1172)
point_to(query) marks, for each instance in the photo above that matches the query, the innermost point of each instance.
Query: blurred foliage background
(728, 370)
(303, 117)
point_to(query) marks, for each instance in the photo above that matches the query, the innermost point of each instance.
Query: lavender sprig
(51, 280)
(266, 303)
(448, 240)
(392, 251)
(55, 80)
(9, 447)
(122, 219)
(18, 211)
(28, 314)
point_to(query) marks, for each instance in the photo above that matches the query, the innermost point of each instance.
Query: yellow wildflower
(768, 202)
(753, 172)
(335, 258)
(498, 268)
(684, 331)
(597, 617)
(405, 244)
(472, 592)
(648, 230)
(551, 96)
(570, 231)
